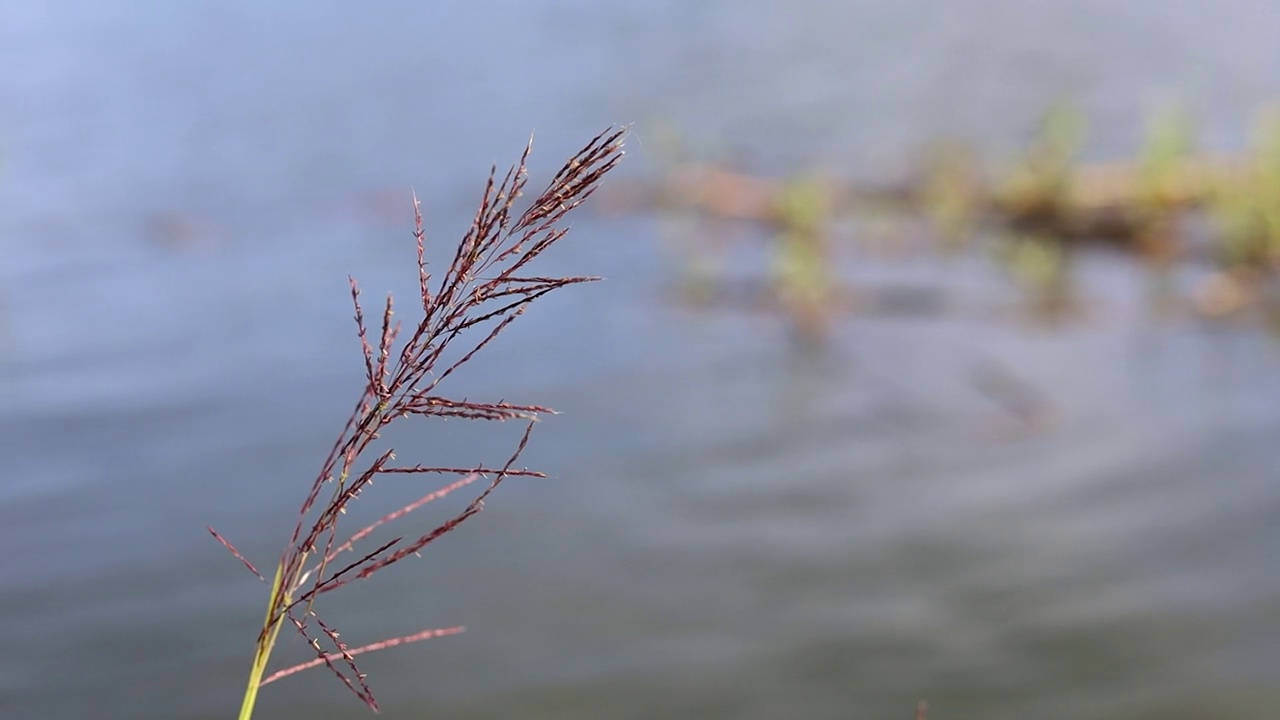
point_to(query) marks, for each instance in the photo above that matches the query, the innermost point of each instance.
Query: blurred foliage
(801, 267)
(1040, 265)
(952, 193)
(1041, 210)
(1246, 207)
(801, 271)
(1039, 182)
(1162, 181)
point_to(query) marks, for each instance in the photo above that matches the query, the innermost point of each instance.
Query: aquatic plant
(1162, 182)
(1040, 183)
(801, 271)
(486, 286)
(952, 193)
(1042, 266)
(1247, 205)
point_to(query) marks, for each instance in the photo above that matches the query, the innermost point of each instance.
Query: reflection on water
(732, 529)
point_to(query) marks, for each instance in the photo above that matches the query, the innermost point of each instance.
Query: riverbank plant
(486, 285)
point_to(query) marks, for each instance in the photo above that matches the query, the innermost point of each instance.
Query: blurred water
(732, 530)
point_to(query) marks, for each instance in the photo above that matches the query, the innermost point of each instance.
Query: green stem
(281, 597)
(267, 641)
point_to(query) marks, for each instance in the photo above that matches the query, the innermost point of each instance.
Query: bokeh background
(1006, 518)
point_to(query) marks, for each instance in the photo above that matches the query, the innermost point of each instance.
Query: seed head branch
(484, 287)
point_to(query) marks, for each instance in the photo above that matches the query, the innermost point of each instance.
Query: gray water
(732, 528)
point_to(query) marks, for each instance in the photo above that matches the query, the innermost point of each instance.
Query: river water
(732, 528)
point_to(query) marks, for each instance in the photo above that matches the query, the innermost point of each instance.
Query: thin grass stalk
(262, 651)
(483, 290)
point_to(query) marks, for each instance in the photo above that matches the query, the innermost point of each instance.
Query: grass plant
(487, 284)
